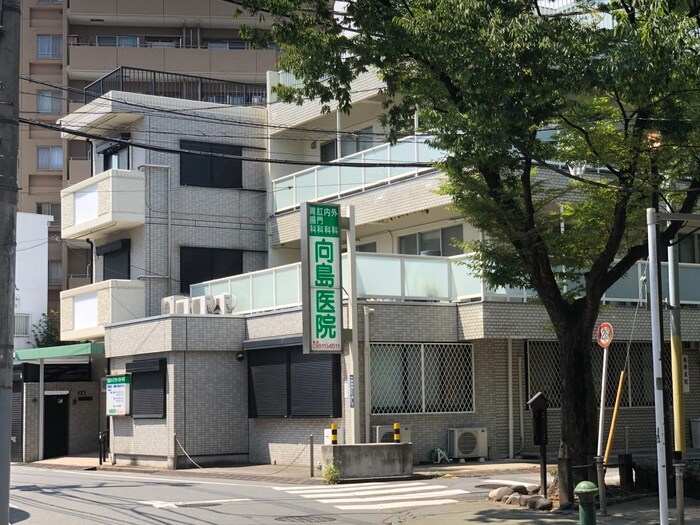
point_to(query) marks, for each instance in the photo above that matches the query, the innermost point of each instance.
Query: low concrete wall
(370, 460)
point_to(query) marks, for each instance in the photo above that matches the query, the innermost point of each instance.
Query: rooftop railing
(393, 277)
(328, 182)
(175, 85)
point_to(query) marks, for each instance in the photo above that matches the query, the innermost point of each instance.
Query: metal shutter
(268, 383)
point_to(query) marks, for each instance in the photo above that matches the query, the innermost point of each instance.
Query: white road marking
(365, 492)
(340, 487)
(397, 505)
(174, 504)
(440, 493)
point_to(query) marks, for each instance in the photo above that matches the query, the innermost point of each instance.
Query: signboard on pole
(118, 395)
(321, 277)
(605, 335)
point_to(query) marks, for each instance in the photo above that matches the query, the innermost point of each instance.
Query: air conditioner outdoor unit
(385, 434)
(224, 304)
(182, 306)
(202, 305)
(467, 442)
(167, 304)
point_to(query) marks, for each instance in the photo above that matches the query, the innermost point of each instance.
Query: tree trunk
(578, 396)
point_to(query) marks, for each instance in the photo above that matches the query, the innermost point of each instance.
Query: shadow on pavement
(17, 515)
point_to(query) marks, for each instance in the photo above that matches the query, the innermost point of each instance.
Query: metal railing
(176, 85)
(327, 182)
(394, 277)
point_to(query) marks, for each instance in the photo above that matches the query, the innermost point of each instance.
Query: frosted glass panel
(306, 187)
(197, 290)
(626, 288)
(263, 296)
(327, 181)
(403, 152)
(688, 277)
(86, 205)
(378, 174)
(85, 311)
(240, 288)
(284, 194)
(378, 276)
(287, 286)
(219, 287)
(427, 278)
(464, 283)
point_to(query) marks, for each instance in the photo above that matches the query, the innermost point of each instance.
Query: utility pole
(9, 146)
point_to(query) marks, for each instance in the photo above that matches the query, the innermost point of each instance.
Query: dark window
(203, 264)
(116, 262)
(210, 171)
(285, 382)
(368, 247)
(147, 388)
(432, 242)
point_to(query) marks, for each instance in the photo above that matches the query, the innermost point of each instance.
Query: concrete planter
(371, 460)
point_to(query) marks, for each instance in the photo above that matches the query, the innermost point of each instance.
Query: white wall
(32, 270)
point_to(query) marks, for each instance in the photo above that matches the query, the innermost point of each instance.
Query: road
(56, 497)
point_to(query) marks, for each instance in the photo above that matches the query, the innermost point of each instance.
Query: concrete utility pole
(9, 145)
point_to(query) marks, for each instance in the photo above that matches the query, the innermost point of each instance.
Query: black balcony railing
(175, 85)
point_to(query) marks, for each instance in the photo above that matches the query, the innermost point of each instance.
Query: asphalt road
(56, 497)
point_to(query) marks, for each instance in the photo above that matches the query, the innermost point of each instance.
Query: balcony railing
(86, 310)
(392, 277)
(328, 182)
(107, 203)
(176, 85)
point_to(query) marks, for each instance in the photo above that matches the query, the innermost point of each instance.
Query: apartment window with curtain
(432, 242)
(48, 101)
(49, 157)
(349, 143)
(117, 41)
(49, 46)
(55, 272)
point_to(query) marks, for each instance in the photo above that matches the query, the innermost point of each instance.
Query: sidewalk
(634, 512)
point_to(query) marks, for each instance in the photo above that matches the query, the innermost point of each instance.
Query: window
(115, 262)
(368, 247)
(48, 101)
(350, 143)
(162, 41)
(434, 242)
(226, 44)
(50, 208)
(22, 325)
(210, 171)
(411, 378)
(285, 382)
(49, 157)
(203, 264)
(117, 41)
(55, 272)
(688, 248)
(115, 155)
(148, 388)
(543, 372)
(49, 46)
(50, 1)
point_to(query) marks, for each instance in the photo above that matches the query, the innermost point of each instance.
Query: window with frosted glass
(49, 157)
(48, 101)
(49, 46)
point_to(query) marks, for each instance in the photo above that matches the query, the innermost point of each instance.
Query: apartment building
(68, 44)
(433, 348)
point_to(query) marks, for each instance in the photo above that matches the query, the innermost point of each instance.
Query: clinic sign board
(118, 395)
(321, 277)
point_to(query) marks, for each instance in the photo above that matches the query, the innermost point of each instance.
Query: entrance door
(16, 439)
(55, 425)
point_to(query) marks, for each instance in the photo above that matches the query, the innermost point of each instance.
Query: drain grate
(305, 519)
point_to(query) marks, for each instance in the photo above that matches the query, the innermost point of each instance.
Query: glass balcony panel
(86, 205)
(351, 177)
(689, 274)
(284, 193)
(626, 289)
(219, 287)
(198, 290)
(378, 276)
(85, 311)
(287, 286)
(403, 152)
(327, 181)
(377, 174)
(305, 186)
(263, 291)
(427, 278)
(464, 283)
(240, 288)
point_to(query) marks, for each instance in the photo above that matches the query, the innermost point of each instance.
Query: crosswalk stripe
(440, 493)
(351, 486)
(396, 505)
(359, 493)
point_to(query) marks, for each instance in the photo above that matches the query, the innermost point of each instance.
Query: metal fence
(22, 325)
(636, 357)
(175, 85)
(419, 378)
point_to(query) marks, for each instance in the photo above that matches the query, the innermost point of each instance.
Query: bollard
(586, 492)
(397, 433)
(679, 467)
(626, 472)
(334, 433)
(311, 455)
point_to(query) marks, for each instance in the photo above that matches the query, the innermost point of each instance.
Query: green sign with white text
(118, 395)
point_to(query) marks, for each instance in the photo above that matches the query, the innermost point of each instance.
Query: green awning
(53, 352)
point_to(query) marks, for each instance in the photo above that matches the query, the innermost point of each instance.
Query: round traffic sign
(605, 335)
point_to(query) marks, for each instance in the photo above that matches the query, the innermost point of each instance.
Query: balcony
(78, 280)
(86, 310)
(393, 277)
(99, 206)
(331, 182)
(88, 62)
(79, 169)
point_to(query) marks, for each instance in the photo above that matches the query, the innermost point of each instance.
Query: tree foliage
(47, 331)
(616, 82)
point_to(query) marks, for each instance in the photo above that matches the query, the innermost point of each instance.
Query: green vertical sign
(323, 319)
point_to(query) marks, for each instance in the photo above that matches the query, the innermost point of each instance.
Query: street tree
(615, 83)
